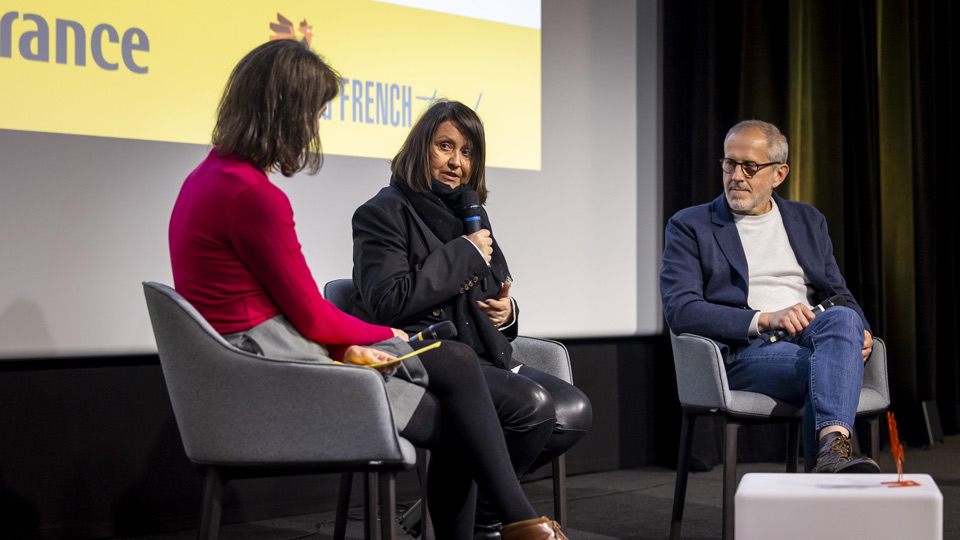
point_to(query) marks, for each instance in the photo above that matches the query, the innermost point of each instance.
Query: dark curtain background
(934, 68)
(865, 91)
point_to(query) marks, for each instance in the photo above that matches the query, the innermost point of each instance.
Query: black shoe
(486, 525)
(486, 532)
(836, 456)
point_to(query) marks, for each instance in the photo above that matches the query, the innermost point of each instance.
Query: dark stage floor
(626, 504)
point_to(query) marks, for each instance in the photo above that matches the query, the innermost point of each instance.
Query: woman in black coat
(415, 264)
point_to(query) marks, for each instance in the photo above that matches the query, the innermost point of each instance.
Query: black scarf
(440, 209)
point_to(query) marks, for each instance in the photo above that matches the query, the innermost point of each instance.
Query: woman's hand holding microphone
(484, 243)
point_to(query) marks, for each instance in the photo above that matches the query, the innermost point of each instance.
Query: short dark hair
(268, 112)
(412, 162)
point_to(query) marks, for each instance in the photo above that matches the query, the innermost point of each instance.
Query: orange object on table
(897, 449)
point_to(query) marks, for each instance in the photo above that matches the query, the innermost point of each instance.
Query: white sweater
(776, 280)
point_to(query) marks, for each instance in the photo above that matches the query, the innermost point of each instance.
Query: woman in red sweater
(236, 258)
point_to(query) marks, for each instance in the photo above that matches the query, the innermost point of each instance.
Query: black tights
(457, 421)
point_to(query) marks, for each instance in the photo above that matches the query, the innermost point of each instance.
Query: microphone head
(835, 300)
(442, 330)
(469, 204)
(470, 211)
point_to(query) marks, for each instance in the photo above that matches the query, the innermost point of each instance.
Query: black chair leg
(873, 428)
(423, 466)
(388, 505)
(560, 490)
(793, 446)
(732, 428)
(683, 467)
(343, 506)
(370, 529)
(212, 504)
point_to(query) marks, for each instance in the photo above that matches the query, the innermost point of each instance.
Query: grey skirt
(277, 338)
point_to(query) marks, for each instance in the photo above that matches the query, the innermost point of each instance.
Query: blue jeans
(822, 368)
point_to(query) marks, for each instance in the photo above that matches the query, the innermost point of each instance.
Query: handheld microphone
(835, 300)
(440, 330)
(470, 211)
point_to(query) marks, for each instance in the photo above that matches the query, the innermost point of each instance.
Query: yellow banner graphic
(155, 70)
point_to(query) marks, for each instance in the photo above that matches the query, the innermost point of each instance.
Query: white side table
(804, 506)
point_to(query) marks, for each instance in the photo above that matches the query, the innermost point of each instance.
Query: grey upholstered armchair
(242, 415)
(543, 354)
(703, 389)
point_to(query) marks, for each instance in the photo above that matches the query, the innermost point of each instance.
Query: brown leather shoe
(836, 456)
(541, 528)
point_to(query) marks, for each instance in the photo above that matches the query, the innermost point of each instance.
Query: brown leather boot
(541, 528)
(836, 456)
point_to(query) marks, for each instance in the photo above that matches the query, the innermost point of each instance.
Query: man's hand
(792, 319)
(867, 345)
(365, 356)
(484, 243)
(499, 309)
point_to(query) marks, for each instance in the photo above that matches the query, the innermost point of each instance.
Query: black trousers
(542, 416)
(456, 419)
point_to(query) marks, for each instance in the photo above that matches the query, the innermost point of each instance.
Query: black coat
(404, 275)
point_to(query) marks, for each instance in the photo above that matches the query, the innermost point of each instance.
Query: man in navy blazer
(744, 270)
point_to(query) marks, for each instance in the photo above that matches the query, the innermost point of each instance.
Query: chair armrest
(545, 355)
(701, 374)
(237, 408)
(875, 378)
(262, 411)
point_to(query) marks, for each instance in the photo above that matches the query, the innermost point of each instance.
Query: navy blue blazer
(704, 279)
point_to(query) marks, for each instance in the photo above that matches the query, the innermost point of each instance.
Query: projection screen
(105, 107)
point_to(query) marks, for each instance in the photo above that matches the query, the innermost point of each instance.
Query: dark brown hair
(268, 112)
(412, 162)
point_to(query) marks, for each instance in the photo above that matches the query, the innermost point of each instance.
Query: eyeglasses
(749, 168)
